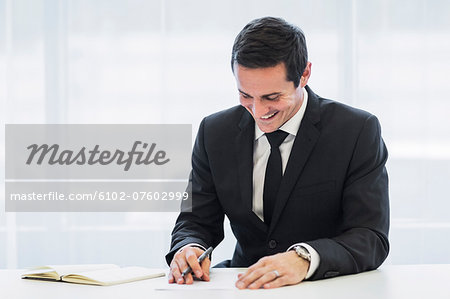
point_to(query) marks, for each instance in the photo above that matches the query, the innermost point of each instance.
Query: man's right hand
(188, 257)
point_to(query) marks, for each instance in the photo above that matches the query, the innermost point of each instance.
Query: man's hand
(274, 271)
(180, 262)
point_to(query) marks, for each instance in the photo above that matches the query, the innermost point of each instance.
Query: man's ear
(306, 74)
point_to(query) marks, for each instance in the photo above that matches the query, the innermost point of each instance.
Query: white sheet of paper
(220, 280)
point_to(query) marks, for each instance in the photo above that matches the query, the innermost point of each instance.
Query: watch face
(303, 253)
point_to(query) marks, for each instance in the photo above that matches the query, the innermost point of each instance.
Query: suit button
(272, 244)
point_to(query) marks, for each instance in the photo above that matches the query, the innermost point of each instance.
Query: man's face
(268, 96)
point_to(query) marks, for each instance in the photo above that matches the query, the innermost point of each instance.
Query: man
(301, 178)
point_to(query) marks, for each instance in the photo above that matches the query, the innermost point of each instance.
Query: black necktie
(274, 173)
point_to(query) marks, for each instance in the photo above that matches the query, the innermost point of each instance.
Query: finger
(175, 273)
(181, 266)
(170, 278)
(205, 268)
(279, 282)
(269, 276)
(259, 264)
(246, 280)
(188, 278)
(181, 262)
(242, 276)
(191, 258)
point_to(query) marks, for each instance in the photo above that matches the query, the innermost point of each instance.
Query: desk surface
(399, 282)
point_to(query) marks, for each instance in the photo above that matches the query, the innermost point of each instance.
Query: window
(167, 61)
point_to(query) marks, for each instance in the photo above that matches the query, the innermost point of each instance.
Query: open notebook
(97, 274)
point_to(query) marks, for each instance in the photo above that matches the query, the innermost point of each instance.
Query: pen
(200, 259)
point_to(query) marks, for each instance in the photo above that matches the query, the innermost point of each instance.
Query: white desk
(399, 282)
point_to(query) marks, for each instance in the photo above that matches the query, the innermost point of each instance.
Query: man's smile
(269, 116)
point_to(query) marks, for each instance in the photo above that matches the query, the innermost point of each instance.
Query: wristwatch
(303, 252)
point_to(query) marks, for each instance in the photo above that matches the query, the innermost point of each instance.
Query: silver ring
(276, 273)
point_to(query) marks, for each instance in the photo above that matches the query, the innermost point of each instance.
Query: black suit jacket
(333, 195)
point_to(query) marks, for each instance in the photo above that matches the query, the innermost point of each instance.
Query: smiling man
(301, 178)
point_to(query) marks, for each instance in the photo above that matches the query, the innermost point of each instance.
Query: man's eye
(245, 96)
(273, 98)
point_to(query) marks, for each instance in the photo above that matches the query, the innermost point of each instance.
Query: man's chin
(267, 128)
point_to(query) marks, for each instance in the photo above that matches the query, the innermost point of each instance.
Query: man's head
(269, 41)
(271, 67)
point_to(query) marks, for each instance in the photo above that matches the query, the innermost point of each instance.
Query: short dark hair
(268, 41)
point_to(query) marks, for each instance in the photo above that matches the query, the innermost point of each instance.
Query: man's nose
(259, 108)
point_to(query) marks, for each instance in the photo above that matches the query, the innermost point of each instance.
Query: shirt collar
(293, 124)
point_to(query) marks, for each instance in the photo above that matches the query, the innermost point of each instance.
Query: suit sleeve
(363, 240)
(201, 218)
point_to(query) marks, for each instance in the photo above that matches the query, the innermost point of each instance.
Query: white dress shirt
(261, 153)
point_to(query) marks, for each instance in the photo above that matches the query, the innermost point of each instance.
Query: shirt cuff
(192, 245)
(315, 258)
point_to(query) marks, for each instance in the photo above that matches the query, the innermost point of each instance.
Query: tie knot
(276, 138)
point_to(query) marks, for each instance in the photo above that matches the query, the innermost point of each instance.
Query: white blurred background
(167, 61)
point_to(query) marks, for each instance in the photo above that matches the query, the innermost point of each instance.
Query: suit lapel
(244, 152)
(304, 143)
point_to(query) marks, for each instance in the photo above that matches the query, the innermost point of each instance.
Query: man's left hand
(274, 271)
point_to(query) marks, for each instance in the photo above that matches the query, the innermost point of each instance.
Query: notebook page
(113, 276)
(62, 270)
